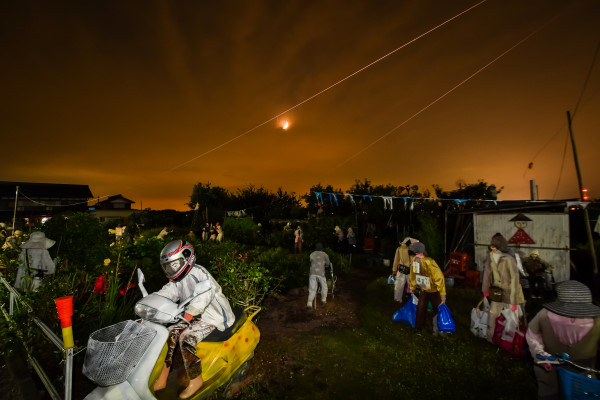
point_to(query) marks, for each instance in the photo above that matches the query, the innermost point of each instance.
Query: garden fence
(15, 298)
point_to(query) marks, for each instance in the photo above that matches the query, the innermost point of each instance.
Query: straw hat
(38, 240)
(574, 300)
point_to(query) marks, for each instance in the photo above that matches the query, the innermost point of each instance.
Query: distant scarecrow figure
(35, 262)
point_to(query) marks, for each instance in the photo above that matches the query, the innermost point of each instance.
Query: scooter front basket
(113, 352)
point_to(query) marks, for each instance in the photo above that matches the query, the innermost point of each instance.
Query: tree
(81, 240)
(205, 198)
(473, 191)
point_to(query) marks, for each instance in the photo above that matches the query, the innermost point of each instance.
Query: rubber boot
(194, 385)
(161, 382)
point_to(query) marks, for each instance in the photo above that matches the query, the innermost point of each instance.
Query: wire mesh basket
(575, 386)
(113, 352)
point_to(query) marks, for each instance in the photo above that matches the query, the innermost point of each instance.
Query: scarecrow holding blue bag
(427, 283)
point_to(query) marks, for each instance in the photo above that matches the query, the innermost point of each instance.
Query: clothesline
(387, 200)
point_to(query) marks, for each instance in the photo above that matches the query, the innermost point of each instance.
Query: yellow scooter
(125, 359)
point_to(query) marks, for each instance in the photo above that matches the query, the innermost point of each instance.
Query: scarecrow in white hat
(14, 240)
(571, 325)
(536, 268)
(34, 262)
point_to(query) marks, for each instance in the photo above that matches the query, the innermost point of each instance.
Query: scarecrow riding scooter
(125, 359)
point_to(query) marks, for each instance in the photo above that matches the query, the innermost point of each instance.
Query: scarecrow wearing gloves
(571, 325)
(208, 310)
(427, 282)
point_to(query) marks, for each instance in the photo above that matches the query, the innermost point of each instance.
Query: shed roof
(45, 190)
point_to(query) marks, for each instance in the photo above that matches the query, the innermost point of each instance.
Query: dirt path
(288, 314)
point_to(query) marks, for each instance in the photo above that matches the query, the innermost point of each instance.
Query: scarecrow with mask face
(571, 325)
(500, 271)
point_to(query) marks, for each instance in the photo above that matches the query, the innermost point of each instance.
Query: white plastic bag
(511, 323)
(479, 320)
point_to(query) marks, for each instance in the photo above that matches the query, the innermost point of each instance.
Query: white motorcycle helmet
(177, 258)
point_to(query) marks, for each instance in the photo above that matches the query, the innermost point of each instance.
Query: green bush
(241, 230)
(81, 241)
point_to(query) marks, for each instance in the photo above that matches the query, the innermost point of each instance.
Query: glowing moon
(286, 125)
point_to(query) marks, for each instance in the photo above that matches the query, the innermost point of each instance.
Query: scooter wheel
(236, 381)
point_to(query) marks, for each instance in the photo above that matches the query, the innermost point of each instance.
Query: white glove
(415, 299)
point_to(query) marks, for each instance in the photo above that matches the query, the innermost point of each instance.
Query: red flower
(100, 285)
(124, 290)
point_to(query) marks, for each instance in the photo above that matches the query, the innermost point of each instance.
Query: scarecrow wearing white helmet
(208, 311)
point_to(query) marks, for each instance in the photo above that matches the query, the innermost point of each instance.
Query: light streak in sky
(442, 96)
(328, 88)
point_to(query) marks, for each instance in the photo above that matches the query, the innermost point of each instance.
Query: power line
(587, 78)
(443, 95)
(60, 205)
(562, 164)
(329, 87)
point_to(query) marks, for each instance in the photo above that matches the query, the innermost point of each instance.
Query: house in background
(36, 201)
(113, 208)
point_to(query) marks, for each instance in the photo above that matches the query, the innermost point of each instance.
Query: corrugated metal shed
(547, 232)
(526, 225)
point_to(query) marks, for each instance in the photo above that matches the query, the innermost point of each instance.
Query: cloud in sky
(121, 96)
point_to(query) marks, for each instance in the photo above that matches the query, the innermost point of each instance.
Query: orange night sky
(148, 98)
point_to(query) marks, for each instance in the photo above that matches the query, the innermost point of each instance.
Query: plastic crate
(472, 278)
(575, 386)
(459, 260)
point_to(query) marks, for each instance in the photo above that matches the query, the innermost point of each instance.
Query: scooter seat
(221, 336)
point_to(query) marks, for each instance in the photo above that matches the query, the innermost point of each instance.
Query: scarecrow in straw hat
(14, 240)
(34, 262)
(571, 325)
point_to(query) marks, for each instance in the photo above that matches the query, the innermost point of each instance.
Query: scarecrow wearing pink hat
(34, 262)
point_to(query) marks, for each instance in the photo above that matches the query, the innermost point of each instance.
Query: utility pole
(588, 228)
(15, 212)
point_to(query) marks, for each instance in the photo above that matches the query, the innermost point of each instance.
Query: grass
(384, 359)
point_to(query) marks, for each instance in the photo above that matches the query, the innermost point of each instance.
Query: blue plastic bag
(407, 314)
(444, 319)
